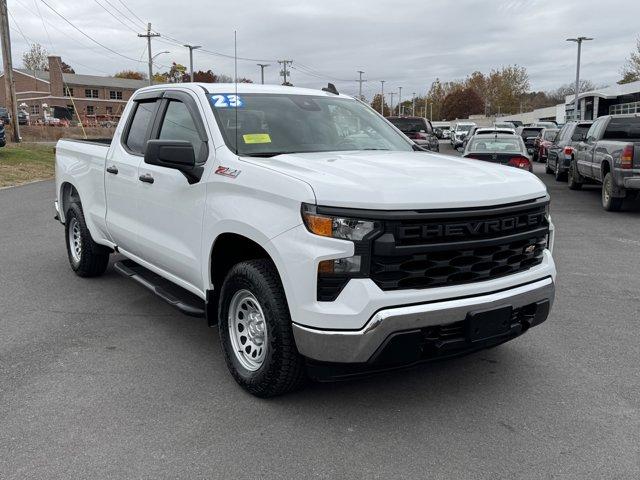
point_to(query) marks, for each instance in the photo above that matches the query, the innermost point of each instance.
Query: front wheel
(87, 258)
(255, 331)
(609, 202)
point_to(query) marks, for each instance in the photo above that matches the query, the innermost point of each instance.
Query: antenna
(235, 81)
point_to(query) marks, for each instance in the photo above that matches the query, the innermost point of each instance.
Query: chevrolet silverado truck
(319, 240)
(609, 154)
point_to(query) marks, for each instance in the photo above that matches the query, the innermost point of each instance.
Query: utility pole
(284, 72)
(413, 104)
(382, 97)
(360, 80)
(430, 110)
(191, 49)
(262, 67)
(148, 36)
(399, 101)
(391, 94)
(579, 41)
(10, 87)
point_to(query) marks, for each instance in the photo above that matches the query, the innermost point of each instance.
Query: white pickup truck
(320, 240)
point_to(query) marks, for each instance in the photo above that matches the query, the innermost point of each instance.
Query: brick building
(65, 93)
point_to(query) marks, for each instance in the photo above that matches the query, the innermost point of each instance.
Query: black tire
(573, 179)
(282, 369)
(609, 202)
(547, 168)
(559, 175)
(92, 259)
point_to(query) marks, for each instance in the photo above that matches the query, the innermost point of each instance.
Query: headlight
(336, 227)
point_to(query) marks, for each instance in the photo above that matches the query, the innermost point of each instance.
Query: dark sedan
(505, 149)
(419, 130)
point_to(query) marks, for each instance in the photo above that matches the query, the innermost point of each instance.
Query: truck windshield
(274, 124)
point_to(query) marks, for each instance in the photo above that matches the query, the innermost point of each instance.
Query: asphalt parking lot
(100, 379)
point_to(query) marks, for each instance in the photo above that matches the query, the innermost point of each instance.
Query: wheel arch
(228, 249)
(68, 194)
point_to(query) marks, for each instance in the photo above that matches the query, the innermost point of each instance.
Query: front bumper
(383, 339)
(56, 210)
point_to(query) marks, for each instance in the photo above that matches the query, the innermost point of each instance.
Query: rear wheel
(255, 331)
(609, 202)
(87, 258)
(573, 179)
(560, 175)
(547, 168)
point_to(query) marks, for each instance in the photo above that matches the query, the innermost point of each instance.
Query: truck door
(170, 209)
(121, 175)
(586, 148)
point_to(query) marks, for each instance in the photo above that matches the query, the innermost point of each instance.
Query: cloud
(406, 43)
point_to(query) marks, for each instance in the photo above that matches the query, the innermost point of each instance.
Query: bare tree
(631, 70)
(35, 58)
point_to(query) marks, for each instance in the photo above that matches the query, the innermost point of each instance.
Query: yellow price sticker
(256, 138)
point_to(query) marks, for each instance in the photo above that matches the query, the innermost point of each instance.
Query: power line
(88, 36)
(114, 16)
(131, 12)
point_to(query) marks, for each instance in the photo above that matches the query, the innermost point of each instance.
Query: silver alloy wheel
(75, 240)
(247, 330)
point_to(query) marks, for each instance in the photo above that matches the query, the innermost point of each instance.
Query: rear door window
(140, 127)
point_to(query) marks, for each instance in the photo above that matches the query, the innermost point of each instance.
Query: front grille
(453, 248)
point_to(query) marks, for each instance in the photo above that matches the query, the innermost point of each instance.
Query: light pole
(191, 49)
(382, 97)
(262, 67)
(579, 41)
(151, 60)
(391, 94)
(413, 104)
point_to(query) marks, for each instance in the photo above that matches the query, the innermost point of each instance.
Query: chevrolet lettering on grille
(471, 228)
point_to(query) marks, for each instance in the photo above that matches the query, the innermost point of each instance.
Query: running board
(185, 301)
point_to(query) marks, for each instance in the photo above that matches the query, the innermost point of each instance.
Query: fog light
(341, 265)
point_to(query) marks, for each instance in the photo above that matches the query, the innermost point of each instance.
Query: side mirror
(176, 154)
(577, 137)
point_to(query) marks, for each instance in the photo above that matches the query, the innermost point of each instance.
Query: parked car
(486, 131)
(318, 243)
(517, 123)
(543, 124)
(419, 130)
(529, 135)
(3, 136)
(4, 116)
(459, 132)
(23, 117)
(561, 150)
(542, 143)
(609, 154)
(506, 149)
(446, 133)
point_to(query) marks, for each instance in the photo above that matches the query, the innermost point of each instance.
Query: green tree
(376, 104)
(36, 58)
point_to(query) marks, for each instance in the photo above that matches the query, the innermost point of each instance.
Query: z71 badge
(227, 172)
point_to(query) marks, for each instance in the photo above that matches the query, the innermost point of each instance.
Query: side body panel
(81, 164)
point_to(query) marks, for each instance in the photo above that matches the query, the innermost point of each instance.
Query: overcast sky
(406, 43)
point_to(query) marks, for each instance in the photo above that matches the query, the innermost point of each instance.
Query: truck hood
(405, 180)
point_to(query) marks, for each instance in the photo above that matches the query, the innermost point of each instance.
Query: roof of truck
(249, 88)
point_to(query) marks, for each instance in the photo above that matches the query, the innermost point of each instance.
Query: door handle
(146, 178)
(112, 169)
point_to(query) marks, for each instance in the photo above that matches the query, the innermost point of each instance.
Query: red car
(543, 142)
